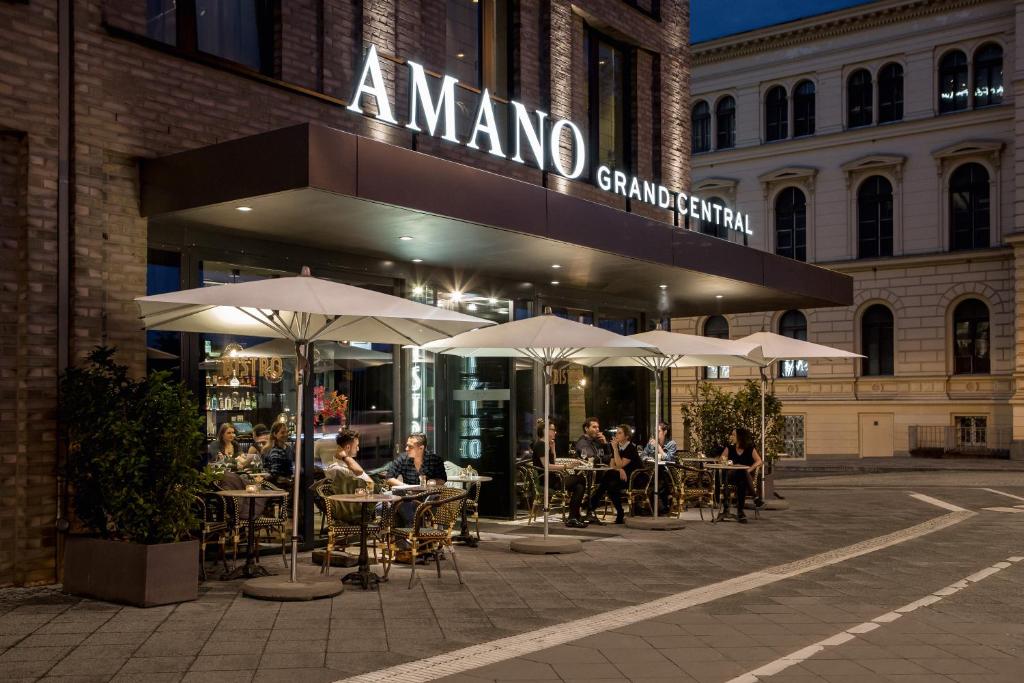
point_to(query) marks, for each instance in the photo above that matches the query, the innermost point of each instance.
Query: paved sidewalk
(226, 637)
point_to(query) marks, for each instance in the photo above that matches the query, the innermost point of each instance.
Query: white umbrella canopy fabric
(548, 340)
(327, 356)
(777, 347)
(301, 309)
(680, 350)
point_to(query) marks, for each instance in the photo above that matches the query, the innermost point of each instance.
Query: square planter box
(131, 573)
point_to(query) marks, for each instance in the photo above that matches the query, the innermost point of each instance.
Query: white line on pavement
(1003, 493)
(937, 503)
(782, 663)
(503, 649)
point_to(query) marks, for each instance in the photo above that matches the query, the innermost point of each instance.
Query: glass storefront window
(163, 349)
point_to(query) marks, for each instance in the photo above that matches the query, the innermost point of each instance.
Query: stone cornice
(823, 27)
(920, 260)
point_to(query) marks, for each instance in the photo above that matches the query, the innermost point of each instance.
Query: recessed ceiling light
(492, 301)
(460, 55)
(556, 265)
(471, 307)
(455, 296)
(417, 260)
(554, 282)
(417, 290)
(243, 209)
(718, 296)
(406, 238)
(663, 286)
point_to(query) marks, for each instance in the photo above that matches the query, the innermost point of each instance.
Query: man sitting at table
(575, 485)
(625, 460)
(408, 468)
(592, 445)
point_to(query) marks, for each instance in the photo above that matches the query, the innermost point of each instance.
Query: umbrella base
(546, 546)
(654, 524)
(281, 589)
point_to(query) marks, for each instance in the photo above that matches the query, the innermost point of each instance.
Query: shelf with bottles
(223, 401)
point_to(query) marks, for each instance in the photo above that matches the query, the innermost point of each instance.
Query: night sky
(716, 18)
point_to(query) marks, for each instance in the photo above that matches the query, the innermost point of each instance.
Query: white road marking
(1003, 493)
(937, 503)
(503, 649)
(1014, 509)
(779, 665)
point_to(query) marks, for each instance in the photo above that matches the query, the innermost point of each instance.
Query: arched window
(803, 109)
(858, 99)
(988, 75)
(712, 228)
(700, 127)
(776, 114)
(876, 341)
(969, 207)
(970, 338)
(725, 122)
(718, 327)
(952, 82)
(793, 324)
(874, 218)
(791, 224)
(890, 93)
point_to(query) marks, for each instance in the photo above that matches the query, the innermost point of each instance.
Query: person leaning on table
(345, 459)
(575, 485)
(625, 460)
(741, 451)
(279, 458)
(592, 445)
(408, 468)
(224, 449)
(665, 448)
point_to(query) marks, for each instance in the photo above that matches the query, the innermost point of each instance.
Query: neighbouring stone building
(882, 141)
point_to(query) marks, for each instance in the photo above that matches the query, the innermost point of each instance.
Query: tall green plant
(132, 450)
(716, 413)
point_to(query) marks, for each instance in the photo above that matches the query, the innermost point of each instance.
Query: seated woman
(279, 458)
(345, 459)
(625, 460)
(574, 484)
(224, 450)
(741, 451)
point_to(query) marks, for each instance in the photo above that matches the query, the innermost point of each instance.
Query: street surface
(890, 576)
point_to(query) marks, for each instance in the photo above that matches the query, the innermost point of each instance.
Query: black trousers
(740, 479)
(611, 484)
(576, 487)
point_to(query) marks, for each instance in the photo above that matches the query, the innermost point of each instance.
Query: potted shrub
(132, 454)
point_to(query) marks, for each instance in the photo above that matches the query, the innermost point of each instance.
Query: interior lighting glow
(406, 238)
(554, 282)
(417, 291)
(555, 266)
(243, 209)
(718, 296)
(471, 307)
(417, 260)
(663, 286)
(455, 296)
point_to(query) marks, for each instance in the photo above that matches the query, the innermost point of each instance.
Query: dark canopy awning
(325, 188)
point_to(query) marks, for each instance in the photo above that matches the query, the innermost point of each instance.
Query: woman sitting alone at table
(574, 484)
(279, 458)
(625, 460)
(224, 449)
(741, 451)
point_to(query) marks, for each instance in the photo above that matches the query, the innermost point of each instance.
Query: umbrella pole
(300, 377)
(764, 456)
(657, 420)
(547, 446)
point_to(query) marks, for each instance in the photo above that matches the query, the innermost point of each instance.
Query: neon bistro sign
(530, 134)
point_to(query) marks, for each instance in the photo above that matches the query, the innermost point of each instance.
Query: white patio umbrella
(679, 351)
(302, 310)
(776, 347)
(549, 341)
(327, 355)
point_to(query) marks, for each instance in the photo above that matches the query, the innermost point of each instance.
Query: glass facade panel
(776, 114)
(238, 30)
(803, 109)
(971, 338)
(791, 224)
(874, 218)
(609, 83)
(700, 128)
(793, 324)
(988, 76)
(162, 20)
(718, 327)
(969, 207)
(725, 123)
(890, 93)
(859, 97)
(953, 82)
(877, 341)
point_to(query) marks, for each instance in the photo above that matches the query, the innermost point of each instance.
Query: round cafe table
(250, 569)
(363, 575)
(464, 536)
(719, 469)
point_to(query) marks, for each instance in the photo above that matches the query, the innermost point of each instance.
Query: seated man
(592, 445)
(408, 468)
(344, 461)
(665, 448)
(575, 485)
(625, 460)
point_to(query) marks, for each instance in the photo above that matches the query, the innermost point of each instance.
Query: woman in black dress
(741, 451)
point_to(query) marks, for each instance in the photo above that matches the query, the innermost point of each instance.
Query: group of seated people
(623, 458)
(270, 452)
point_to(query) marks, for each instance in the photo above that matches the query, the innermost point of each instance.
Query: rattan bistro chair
(340, 532)
(212, 513)
(638, 489)
(527, 490)
(431, 529)
(273, 520)
(698, 486)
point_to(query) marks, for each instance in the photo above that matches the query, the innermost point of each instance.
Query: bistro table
(720, 468)
(363, 575)
(250, 569)
(464, 536)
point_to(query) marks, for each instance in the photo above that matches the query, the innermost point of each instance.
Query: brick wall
(135, 101)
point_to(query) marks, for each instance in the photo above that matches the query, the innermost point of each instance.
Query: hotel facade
(882, 142)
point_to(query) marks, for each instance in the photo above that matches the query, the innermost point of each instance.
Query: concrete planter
(132, 573)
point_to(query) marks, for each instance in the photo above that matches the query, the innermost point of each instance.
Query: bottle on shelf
(214, 403)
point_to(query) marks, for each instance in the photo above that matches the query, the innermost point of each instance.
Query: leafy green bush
(133, 447)
(716, 413)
